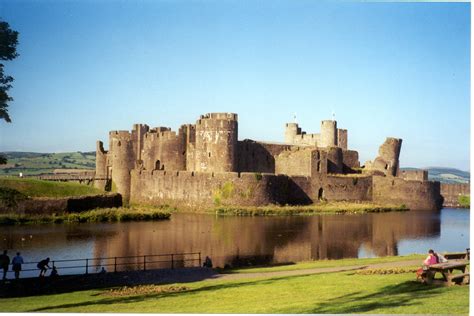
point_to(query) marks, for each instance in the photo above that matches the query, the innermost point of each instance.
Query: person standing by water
(43, 266)
(4, 263)
(16, 265)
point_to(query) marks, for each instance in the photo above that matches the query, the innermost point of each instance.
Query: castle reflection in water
(240, 241)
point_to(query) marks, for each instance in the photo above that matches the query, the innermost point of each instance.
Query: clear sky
(385, 69)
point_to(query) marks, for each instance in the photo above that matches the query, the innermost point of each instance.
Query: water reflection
(249, 240)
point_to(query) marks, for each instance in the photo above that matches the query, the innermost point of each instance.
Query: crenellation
(206, 164)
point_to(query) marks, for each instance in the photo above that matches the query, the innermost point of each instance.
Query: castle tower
(328, 136)
(342, 138)
(389, 152)
(291, 130)
(123, 161)
(138, 135)
(216, 142)
(100, 166)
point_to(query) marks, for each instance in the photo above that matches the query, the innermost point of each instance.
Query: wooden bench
(446, 270)
(458, 255)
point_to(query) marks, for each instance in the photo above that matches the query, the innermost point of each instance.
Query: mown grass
(330, 293)
(42, 188)
(98, 215)
(324, 264)
(323, 207)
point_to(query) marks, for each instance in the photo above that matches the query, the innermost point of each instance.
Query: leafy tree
(8, 42)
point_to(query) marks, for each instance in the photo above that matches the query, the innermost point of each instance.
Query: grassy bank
(335, 293)
(99, 215)
(324, 207)
(42, 188)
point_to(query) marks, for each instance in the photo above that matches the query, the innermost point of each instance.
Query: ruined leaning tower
(216, 142)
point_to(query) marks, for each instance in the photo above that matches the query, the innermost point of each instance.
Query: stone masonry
(204, 164)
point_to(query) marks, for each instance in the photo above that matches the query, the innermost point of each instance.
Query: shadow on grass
(399, 295)
(141, 298)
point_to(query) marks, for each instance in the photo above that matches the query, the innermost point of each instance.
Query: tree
(8, 42)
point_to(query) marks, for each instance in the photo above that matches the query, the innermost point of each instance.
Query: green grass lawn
(326, 264)
(42, 188)
(343, 292)
(122, 214)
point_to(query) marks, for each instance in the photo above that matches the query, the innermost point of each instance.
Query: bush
(464, 201)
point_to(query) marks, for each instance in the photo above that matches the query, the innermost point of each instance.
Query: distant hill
(446, 175)
(30, 163)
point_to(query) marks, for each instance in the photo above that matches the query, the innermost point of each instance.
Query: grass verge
(323, 207)
(42, 188)
(134, 213)
(329, 293)
(324, 264)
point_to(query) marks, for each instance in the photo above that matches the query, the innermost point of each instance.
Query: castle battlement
(206, 164)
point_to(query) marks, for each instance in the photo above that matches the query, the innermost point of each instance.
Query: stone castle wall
(258, 157)
(452, 192)
(195, 189)
(205, 164)
(415, 195)
(414, 175)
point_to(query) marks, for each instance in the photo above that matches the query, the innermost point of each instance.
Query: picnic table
(458, 255)
(446, 270)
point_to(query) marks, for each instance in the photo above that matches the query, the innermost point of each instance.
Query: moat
(248, 240)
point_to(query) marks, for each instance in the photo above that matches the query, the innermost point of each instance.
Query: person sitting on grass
(431, 259)
(43, 266)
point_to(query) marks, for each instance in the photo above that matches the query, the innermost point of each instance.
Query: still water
(248, 240)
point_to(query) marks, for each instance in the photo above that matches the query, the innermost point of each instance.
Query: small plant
(464, 201)
(258, 176)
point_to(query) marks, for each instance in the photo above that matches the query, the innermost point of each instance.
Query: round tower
(216, 142)
(123, 160)
(328, 134)
(291, 130)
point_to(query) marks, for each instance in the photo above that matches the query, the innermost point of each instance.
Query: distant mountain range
(31, 163)
(446, 175)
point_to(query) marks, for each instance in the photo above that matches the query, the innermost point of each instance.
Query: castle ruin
(204, 164)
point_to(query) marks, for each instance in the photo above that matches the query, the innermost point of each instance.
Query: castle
(204, 164)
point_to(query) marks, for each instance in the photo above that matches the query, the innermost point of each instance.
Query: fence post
(115, 264)
(144, 263)
(172, 262)
(199, 259)
(87, 266)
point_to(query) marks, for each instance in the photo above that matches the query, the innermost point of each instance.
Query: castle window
(209, 155)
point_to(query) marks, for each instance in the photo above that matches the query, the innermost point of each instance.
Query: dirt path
(69, 283)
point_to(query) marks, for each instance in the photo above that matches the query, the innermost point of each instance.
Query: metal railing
(124, 263)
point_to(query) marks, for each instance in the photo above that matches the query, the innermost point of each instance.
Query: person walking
(16, 264)
(43, 266)
(4, 263)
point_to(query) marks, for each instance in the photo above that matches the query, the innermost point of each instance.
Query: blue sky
(385, 69)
